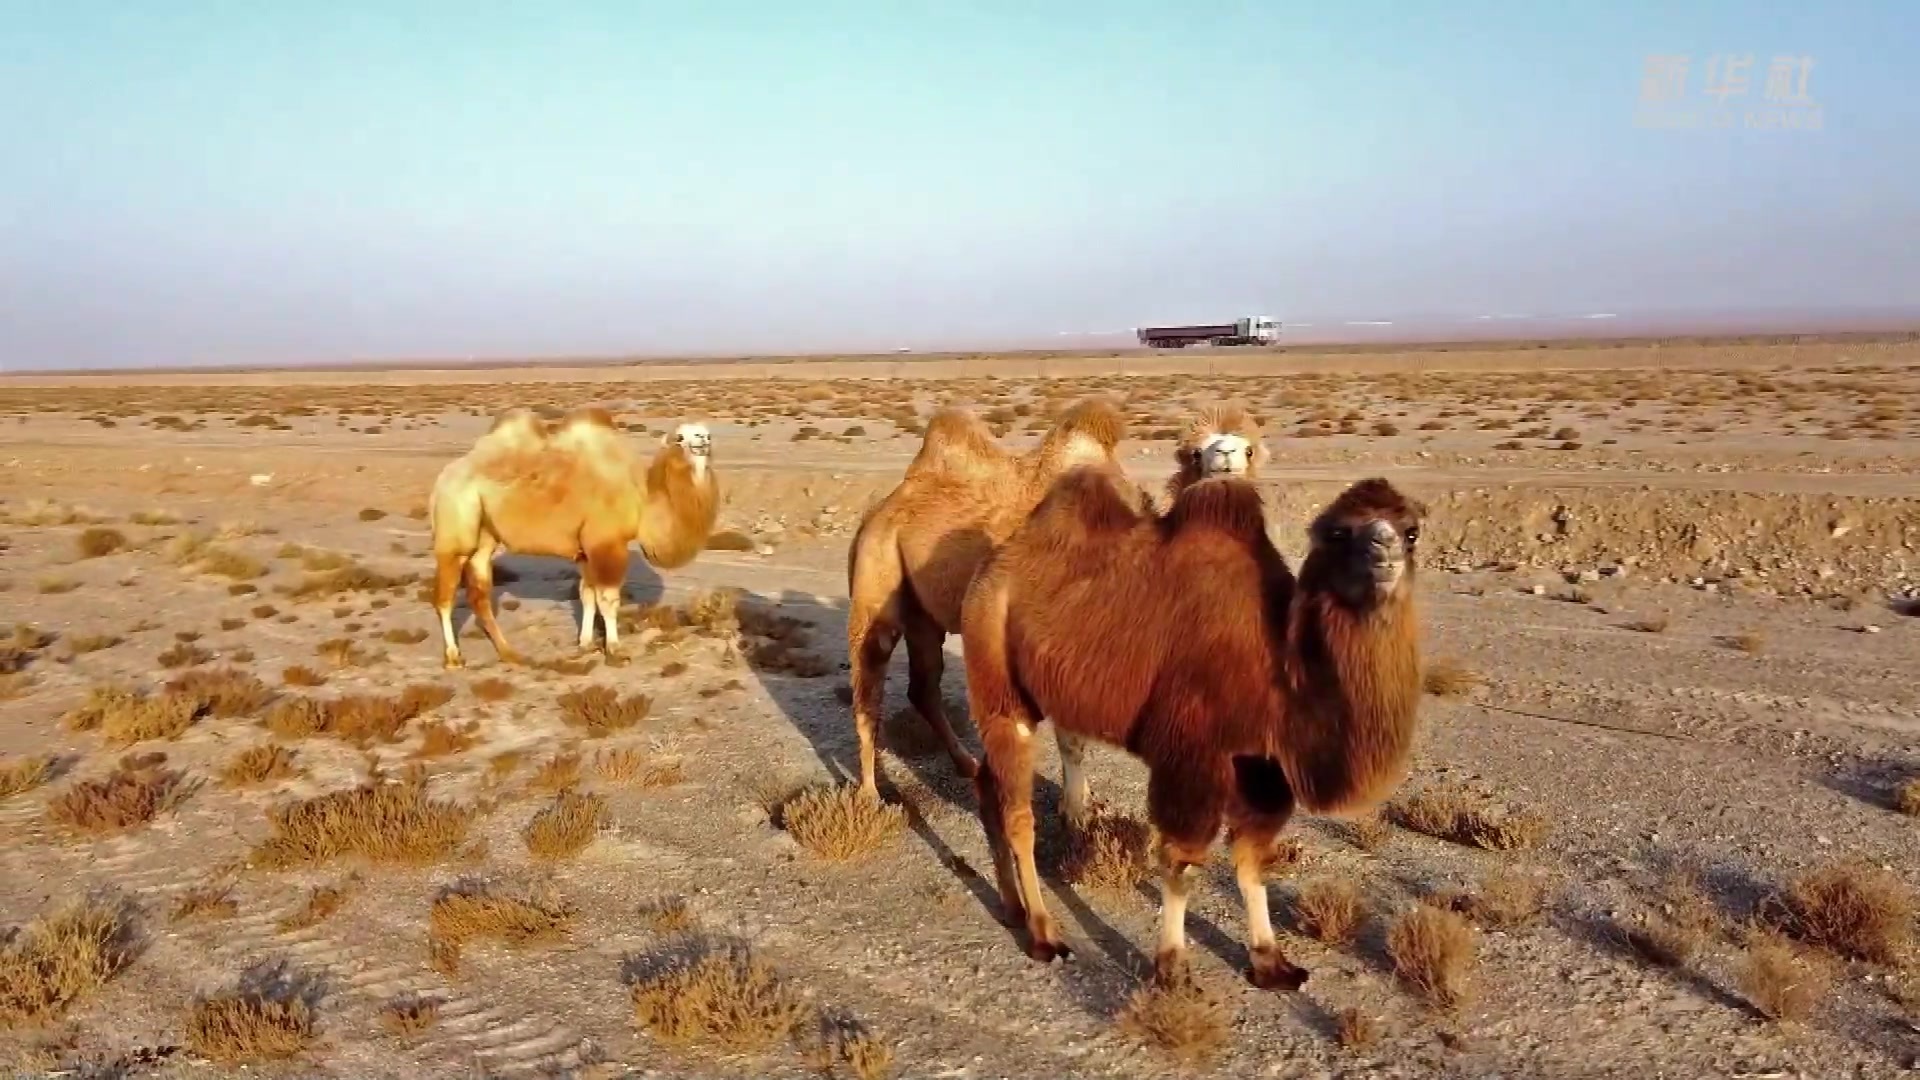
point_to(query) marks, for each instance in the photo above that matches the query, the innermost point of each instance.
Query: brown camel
(916, 550)
(575, 491)
(1188, 641)
(1220, 440)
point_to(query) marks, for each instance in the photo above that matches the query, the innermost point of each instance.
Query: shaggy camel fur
(1187, 640)
(575, 491)
(1220, 440)
(917, 549)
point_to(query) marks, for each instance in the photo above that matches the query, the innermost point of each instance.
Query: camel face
(1226, 455)
(695, 437)
(1365, 543)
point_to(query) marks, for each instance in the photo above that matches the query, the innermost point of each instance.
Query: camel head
(1362, 546)
(1225, 455)
(695, 439)
(1220, 440)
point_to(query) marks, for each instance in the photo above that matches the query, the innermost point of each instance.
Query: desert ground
(1660, 820)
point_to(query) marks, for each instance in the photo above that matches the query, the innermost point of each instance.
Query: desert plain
(1660, 820)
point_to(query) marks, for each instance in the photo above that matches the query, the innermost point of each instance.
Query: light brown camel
(917, 549)
(1220, 440)
(575, 491)
(1188, 641)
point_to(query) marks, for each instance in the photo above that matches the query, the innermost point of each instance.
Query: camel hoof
(454, 663)
(966, 766)
(512, 658)
(1272, 971)
(1170, 967)
(1048, 951)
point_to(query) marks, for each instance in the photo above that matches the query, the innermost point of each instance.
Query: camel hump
(956, 441)
(1231, 418)
(590, 416)
(518, 428)
(1096, 418)
(1092, 497)
(1225, 504)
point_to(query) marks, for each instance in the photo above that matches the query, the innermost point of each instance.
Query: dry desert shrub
(1906, 797)
(1452, 813)
(1780, 981)
(323, 902)
(248, 1026)
(668, 915)
(346, 653)
(409, 1015)
(205, 902)
(100, 541)
(1369, 833)
(1111, 852)
(258, 765)
(1354, 1029)
(350, 578)
(1179, 1016)
(24, 773)
(1683, 921)
(1750, 643)
(398, 636)
(865, 1055)
(59, 958)
(81, 644)
(300, 675)
(1656, 625)
(601, 711)
(1432, 952)
(441, 739)
(223, 692)
(359, 719)
(372, 514)
(1505, 899)
(183, 654)
(1330, 909)
(473, 912)
(714, 995)
(491, 689)
(1852, 909)
(381, 821)
(557, 773)
(139, 789)
(729, 540)
(1447, 678)
(566, 826)
(839, 822)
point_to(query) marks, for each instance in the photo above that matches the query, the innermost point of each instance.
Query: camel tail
(680, 505)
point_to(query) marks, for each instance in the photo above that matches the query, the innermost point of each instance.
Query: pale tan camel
(1220, 440)
(1187, 640)
(575, 491)
(917, 549)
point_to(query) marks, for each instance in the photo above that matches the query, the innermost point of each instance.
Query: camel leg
(1176, 859)
(1271, 970)
(587, 605)
(926, 662)
(1076, 795)
(606, 572)
(873, 628)
(448, 568)
(1010, 749)
(480, 599)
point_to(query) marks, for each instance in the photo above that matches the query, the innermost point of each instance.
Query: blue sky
(219, 182)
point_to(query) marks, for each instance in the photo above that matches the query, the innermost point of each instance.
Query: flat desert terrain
(1660, 820)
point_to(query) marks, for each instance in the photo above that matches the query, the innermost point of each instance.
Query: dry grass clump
(57, 959)
(718, 996)
(1852, 909)
(360, 719)
(1906, 797)
(138, 790)
(1432, 952)
(392, 822)
(1452, 813)
(100, 541)
(1179, 1016)
(205, 902)
(565, 827)
(473, 912)
(1685, 920)
(1447, 678)
(906, 734)
(1112, 852)
(1649, 626)
(491, 689)
(839, 822)
(409, 1015)
(81, 644)
(1749, 643)
(1354, 1029)
(1330, 909)
(1369, 833)
(223, 692)
(601, 711)
(442, 739)
(258, 765)
(183, 654)
(668, 915)
(247, 1026)
(301, 675)
(24, 774)
(557, 773)
(1780, 981)
(845, 1042)
(347, 653)
(1505, 899)
(350, 578)
(399, 636)
(323, 902)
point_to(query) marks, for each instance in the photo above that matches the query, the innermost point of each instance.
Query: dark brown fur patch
(1228, 504)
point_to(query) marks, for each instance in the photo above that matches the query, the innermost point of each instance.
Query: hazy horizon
(260, 186)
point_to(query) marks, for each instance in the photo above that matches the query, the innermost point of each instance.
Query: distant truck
(1251, 330)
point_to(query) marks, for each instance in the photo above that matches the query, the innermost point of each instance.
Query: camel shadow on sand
(919, 774)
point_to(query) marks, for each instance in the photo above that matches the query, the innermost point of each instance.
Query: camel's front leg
(587, 605)
(448, 567)
(1271, 970)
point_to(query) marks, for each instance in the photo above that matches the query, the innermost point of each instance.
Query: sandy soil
(1680, 578)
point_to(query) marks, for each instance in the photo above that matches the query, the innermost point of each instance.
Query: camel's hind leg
(874, 626)
(926, 662)
(1076, 795)
(587, 605)
(480, 598)
(1263, 802)
(606, 572)
(1185, 802)
(448, 568)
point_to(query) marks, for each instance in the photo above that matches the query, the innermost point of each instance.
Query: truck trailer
(1250, 330)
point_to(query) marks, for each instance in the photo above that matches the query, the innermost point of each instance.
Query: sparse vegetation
(205, 902)
(1448, 678)
(100, 541)
(1432, 952)
(839, 822)
(250, 1026)
(1330, 909)
(139, 789)
(469, 913)
(1181, 1017)
(1505, 899)
(600, 711)
(323, 902)
(1780, 981)
(394, 822)
(491, 689)
(1852, 909)
(359, 719)
(410, 1015)
(1355, 1029)
(21, 774)
(60, 958)
(1452, 813)
(717, 996)
(1111, 851)
(566, 826)
(258, 765)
